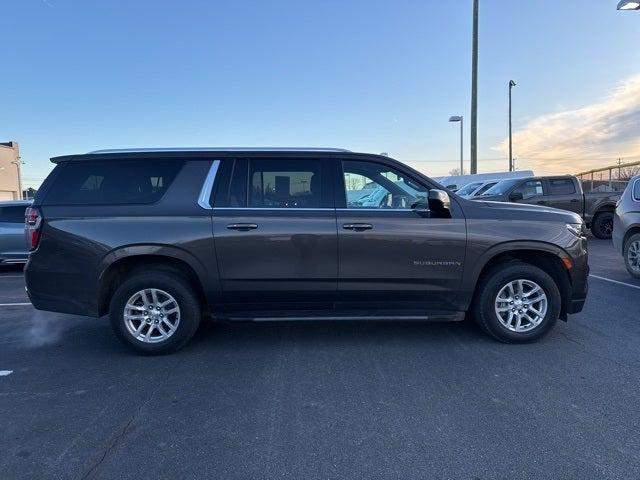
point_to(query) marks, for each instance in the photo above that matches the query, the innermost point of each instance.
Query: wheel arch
(631, 231)
(120, 263)
(543, 255)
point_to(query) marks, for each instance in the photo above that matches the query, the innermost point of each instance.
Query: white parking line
(4, 373)
(615, 281)
(14, 304)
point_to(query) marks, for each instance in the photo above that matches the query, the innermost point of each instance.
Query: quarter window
(113, 182)
(374, 185)
(636, 190)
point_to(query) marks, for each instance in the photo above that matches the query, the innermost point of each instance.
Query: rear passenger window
(112, 182)
(13, 214)
(561, 186)
(277, 183)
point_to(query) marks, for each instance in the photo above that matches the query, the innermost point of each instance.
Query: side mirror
(515, 196)
(439, 200)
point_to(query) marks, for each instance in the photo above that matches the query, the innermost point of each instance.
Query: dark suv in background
(157, 238)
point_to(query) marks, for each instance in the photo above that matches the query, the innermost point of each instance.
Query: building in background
(10, 181)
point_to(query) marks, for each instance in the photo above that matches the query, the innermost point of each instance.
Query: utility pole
(511, 85)
(474, 91)
(619, 164)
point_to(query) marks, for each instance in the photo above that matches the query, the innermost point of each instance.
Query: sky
(373, 76)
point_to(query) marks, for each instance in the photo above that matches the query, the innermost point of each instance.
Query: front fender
(472, 272)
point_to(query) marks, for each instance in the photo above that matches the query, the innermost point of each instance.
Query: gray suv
(13, 247)
(157, 239)
(626, 227)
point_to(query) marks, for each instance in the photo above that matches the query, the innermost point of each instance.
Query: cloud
(593, 136)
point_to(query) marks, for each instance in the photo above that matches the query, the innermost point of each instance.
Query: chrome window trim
(294, 209)
(375, 209)
(318, 209)
(207, 187)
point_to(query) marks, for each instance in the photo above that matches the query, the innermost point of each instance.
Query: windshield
(500, 188)
(469, 188)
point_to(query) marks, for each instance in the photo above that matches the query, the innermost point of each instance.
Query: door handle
(542, 202)
(575, 200)
(242, 226)
(357, 226)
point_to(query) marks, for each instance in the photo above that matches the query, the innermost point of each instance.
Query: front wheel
(602, 225)
(517, 302)
(155, 312)
(632, 255)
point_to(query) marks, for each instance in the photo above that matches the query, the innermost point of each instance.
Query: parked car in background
(156, 238)
(563, 192)
(626, 227)
(13, 245)
(456, 182)
(476, 188)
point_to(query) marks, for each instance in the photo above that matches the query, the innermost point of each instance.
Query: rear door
(561, 192)
(390, 256)
(274, 227)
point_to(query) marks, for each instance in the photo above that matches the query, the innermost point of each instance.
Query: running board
(438, 317)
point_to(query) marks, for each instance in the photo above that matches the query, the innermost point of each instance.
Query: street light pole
(511, 85)
(454, 119)
(474, 91)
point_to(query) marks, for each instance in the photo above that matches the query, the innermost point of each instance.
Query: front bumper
(579, 276)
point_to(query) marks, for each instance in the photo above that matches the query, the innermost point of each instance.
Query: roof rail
(214, 149)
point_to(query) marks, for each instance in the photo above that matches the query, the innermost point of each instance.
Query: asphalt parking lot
(325, 400)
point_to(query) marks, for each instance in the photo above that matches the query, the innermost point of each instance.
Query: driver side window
(373, 185)
(530, 189)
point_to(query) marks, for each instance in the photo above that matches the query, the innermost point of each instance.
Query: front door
(390, 255)
(531, 192)
(274, 231)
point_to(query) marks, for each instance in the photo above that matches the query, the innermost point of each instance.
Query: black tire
(182, 292)
(627, 246)
(493, 281)
(602, 225)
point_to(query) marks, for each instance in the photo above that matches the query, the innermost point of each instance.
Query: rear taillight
(32, 226)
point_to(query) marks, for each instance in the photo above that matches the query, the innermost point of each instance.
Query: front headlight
(578, 229)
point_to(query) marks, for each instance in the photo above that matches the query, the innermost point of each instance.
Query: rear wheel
(632, 255)
(602, 225)
(517, 302)
(155, 312)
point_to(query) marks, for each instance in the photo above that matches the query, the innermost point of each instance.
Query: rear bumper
(53, 292)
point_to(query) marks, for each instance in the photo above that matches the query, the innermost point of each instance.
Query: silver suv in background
(13, 245)
(626, 227)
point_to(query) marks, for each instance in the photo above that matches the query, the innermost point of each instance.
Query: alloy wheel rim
(521, 305)
(607, 227)
(633, 256)
(151, 315)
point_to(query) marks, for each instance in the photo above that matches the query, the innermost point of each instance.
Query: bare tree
(627, 173)
(454, 172)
